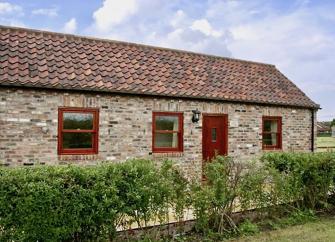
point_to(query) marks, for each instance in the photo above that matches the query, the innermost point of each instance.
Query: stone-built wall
(28, 127)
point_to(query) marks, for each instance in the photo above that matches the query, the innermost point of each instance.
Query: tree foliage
(332, 123)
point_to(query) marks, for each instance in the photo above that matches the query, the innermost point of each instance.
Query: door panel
(214, 136)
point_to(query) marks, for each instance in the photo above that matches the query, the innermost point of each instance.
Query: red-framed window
(167, 132)
(78, 131)
(272, 133)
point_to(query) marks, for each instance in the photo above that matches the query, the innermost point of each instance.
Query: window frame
(278, 119)
(180, 132)
(94, 131)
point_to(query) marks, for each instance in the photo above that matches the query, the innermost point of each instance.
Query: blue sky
(298, 36)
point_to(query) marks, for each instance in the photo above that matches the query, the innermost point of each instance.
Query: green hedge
(324, 134)
(310, 175)
(76, 203)
(281, 183)
(59, 203)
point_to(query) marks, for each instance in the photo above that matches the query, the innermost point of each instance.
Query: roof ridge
(131, 43)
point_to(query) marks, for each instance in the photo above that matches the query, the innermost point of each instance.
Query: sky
(298, 36)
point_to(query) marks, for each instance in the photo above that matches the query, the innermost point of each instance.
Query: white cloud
(11, 14)
(8, 8)
(205, 27)
(194, 40)
(178, 18)
(194, 35)
(159, 23)
(113, 12)
(231, 12)
(70, 26)
(50, 12)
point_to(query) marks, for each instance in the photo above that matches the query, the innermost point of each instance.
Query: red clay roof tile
(62, 61)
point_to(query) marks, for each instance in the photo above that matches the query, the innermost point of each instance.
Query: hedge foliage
(281, 183)
(72, 203)
(309, 176)
(76, 203)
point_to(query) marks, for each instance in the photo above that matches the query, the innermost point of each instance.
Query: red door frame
(225, 127)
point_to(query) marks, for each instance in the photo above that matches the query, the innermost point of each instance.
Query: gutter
(312, 133)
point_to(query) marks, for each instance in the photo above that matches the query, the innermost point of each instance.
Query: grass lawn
(325, 142)
(322, 229)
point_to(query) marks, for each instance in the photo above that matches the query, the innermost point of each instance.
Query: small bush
(297, 217)
(228, 185)
(248, 228)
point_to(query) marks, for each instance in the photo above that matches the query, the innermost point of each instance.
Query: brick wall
(28, 127)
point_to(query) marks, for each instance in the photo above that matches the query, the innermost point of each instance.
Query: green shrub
(297, 217)
(228, 185)
(329, 134)
(248, 228)
(147, 192)
(287, 182)
(178, 188)
(57, 203)
(73, 203)
(253, 194)
(308, 176)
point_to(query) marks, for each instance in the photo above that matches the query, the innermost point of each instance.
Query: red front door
(214, 136)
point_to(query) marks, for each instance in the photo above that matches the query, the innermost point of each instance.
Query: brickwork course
(29, 120)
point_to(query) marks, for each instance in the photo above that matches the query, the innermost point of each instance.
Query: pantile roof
(44, 59)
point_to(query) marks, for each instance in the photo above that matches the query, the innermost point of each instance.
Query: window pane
(270, 139)
(81, 121)
(213, 134)
(270, 125)
(77, 140)
(166, 140)
(167, 123)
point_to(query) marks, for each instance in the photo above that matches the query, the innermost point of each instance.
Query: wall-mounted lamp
(45, 130)
(196, 116)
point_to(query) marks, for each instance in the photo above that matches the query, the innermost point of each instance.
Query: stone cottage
(81, 100)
